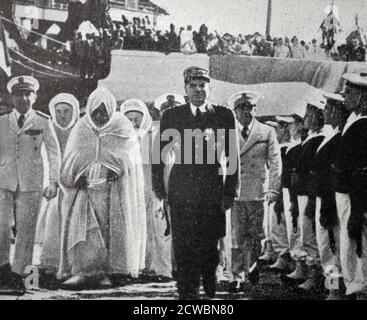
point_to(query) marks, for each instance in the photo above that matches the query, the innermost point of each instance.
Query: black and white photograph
(156, 150)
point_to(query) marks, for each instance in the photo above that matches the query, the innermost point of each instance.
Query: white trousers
(292, 237)
(24, 206)
(330, 262)
(354, 269)
(276, 233)
(306, 248)
(225, 249)
(51, 249)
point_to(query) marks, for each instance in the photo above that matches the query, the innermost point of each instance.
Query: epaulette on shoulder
(43, 114)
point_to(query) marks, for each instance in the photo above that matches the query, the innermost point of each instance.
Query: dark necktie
(198, 115)
(244, 133)
(21, 121)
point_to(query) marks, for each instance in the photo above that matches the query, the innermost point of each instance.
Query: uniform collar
(26, 115)
(352, 119)
(251, 125)
(329, 133)
(312, 135)
(293, 143)
(249, 128)
(194, 108)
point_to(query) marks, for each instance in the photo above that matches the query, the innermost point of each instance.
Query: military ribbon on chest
(33, 132)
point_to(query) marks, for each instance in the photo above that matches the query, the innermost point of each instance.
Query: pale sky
(290, 17)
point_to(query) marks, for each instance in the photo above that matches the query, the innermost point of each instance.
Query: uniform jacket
(306, 163)
(324, 159)
(323, 181)
(199, 184)
(351, 177)
(283, 153)
(260, 163)
(21, 162)
(290, 162)
(290, 159)
(352, 155)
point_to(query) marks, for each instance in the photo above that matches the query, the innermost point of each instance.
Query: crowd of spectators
(140, 34)
(90, 51)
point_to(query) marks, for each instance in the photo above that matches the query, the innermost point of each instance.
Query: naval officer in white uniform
(22, 133)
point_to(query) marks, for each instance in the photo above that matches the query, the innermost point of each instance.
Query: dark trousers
(195, 246)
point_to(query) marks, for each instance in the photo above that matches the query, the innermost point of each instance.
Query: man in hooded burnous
(158, 243)
(64, 110)
(102, 178)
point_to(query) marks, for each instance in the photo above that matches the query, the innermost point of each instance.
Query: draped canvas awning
(284, 84)
(251, 70)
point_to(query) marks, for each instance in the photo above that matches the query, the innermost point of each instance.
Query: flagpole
(268, 19)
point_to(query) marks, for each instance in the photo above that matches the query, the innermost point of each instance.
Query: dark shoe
(248, 288)
(335, 295)
(157, 279)
(188, 296)
(361, 296)
(5, 270)
(192, 294)
(351, 297)
(235, 287)
(254, 275)
(187, 291)
(48, 278)
(209, 288)
(164, 279)
(10, 283)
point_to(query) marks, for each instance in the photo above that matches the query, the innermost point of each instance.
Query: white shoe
(77, 282)
(105, 282)
(282, 265)
(269, 255)
(300, 272)
(313, 279)
(309, 284)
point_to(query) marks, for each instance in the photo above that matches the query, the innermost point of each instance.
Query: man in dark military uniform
(327, 224)
(198, 192)
(306, 253)
(351, 187)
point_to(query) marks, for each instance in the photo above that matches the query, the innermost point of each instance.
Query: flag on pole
(4, 56)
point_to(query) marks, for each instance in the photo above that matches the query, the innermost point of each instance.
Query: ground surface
(269, 288)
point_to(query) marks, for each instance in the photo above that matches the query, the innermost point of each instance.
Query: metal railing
(47, 4)
(63, 5)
